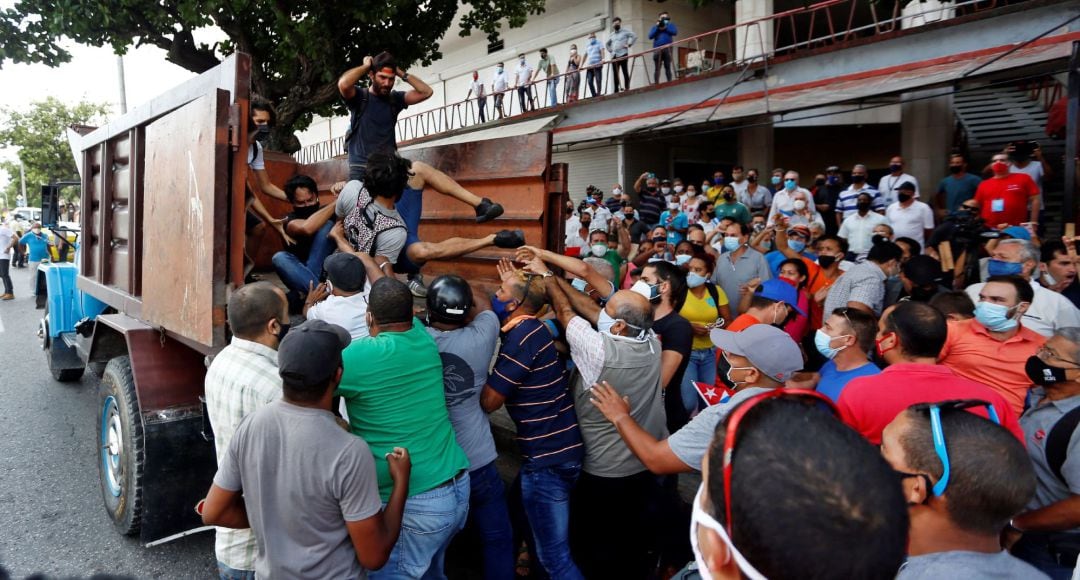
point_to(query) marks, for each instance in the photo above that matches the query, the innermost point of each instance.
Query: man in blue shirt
(958, 187)
(662, 33)
(37, 249)
(676, 223)
(845, 338)
(594, 60)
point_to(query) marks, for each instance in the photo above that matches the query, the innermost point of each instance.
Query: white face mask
(673, 205)
(799, 205)
(699, 517)
(665, 190)
(36, 231)
(678, 189)
(616, 191)
(599, 250)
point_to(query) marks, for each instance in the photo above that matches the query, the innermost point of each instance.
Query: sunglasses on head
(731, 436)
(934, 410)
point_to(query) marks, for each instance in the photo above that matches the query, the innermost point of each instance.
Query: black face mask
(878, 239)
(284, 330)
(629, 217)
(956, 168)
(585, 223)
(305, 212)
(863, 206)
(858, 178)
(923, 294)
(819, 182)
(650, 188)
(751, 178)
(698, 246)
(710, 213)
(262, 133)
(1041, 373)
(826, 261)
(903, 197)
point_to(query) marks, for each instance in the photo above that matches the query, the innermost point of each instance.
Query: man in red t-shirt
(1007, 198)
(910, 336)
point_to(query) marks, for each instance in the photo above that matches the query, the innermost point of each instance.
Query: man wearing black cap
(467, 331)
(306, 486)
(909, 217)
(922, 278)
(341, 300)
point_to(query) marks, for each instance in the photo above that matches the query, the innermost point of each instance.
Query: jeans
(615, 525)
(702, 368)
(481, 106)
(227, 573)
(297, 274)
(429, 523)
(488, 513)
(5, 275)
(524, 97)
(664, 55)
(594, 76)
(409, 207)
(1034, 548)
(623, 63)
(552, 91)
(545, 495)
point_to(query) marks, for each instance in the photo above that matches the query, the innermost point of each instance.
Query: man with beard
(300, 265)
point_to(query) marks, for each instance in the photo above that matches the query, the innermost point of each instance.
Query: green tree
(40, 135)
(298, 48)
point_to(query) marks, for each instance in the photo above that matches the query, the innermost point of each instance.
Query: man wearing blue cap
(760, 358)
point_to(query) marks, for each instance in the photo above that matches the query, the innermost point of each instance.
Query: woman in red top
(795, 272)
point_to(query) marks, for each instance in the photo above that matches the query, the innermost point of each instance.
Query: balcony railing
(824, 24)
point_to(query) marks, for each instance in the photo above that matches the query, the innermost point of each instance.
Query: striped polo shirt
(532, 377)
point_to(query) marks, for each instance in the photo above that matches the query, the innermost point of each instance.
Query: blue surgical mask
(693, 280)
(604, 322)
(731, 243)
(579, 284)
(797, 245)
(650, 291)
(682, 259)
(1001, 268)
(499, 307)
(789, 184)
(995, 317)
(776, 180)
(822, 341)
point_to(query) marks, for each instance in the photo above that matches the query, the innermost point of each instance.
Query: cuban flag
(710, 393)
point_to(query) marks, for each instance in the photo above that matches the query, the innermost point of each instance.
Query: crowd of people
(536, 85)
(845, 370)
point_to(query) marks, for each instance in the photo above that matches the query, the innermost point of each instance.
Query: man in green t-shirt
(393, 389)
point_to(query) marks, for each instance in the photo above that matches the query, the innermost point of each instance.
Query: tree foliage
(298, 48)
(40, 134)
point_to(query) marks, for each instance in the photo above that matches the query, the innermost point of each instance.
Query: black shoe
(509, 239)
(487, 211)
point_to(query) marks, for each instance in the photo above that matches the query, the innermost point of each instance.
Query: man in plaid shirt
(242, 379)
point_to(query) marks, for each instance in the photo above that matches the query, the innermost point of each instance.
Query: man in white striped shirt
(242, 379)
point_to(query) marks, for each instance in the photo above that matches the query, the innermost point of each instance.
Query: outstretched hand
(279, 225)
(506, 269)
(605, 398)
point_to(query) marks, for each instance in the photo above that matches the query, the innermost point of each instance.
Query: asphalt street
(51, 516)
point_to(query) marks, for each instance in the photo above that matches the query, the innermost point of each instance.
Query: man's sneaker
(510, 239)
(416, 286)
(487, 211)
(7, 296)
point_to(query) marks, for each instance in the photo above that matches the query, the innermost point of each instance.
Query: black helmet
(449, 299)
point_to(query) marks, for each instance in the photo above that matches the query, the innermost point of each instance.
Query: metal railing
(1046, 91)
(783, 34)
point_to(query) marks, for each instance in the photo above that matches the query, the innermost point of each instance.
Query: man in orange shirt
(993, 347)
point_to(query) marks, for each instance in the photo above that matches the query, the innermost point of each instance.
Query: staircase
(991, 117)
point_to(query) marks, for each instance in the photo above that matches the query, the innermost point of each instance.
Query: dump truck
(162, 245)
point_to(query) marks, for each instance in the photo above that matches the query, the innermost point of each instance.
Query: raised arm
(421, 91)
(346, 84)
(568, 264)
(309, 226)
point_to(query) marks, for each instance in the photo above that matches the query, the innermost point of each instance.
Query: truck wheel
(120, 436)
(60, 355)
(98, 368)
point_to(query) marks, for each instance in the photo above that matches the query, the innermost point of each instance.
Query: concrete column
(756, 150)
(753, 41)
(926, 137)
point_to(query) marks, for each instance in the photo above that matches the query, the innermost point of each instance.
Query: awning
(512, 130)
(779, 99)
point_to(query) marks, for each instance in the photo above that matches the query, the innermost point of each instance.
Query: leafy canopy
(298, 48)
(40, 134)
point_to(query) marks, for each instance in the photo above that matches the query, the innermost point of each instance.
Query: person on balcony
(573, 80)
(551, 71)
(477, 87)
(498, 88)
(618, 44)
(594, 70)
(523, 83)
(662, 34)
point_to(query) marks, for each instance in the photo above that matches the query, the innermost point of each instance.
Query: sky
(92, 75)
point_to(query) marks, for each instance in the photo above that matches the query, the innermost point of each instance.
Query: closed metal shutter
(595, 166)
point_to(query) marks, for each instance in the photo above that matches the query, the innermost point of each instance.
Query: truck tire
(57, 351)
(120, 446)
(98, 368)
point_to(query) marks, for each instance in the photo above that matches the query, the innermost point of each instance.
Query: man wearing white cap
(761, 357)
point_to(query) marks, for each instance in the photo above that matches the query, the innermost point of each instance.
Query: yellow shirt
(702, 311)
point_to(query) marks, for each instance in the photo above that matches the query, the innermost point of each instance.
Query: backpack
(354, 120)
(715, 297)
(1057, 441)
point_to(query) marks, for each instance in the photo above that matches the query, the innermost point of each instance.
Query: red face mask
(999, 167)
(880, 351)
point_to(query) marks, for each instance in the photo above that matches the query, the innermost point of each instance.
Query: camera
(969, 228)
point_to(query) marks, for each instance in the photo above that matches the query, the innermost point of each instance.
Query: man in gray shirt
(863, 286)
(301, 482)
(618, 45)
(467, 332)
(1051, 523)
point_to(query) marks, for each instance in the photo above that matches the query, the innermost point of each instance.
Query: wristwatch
(405, 76)
(548, 274)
